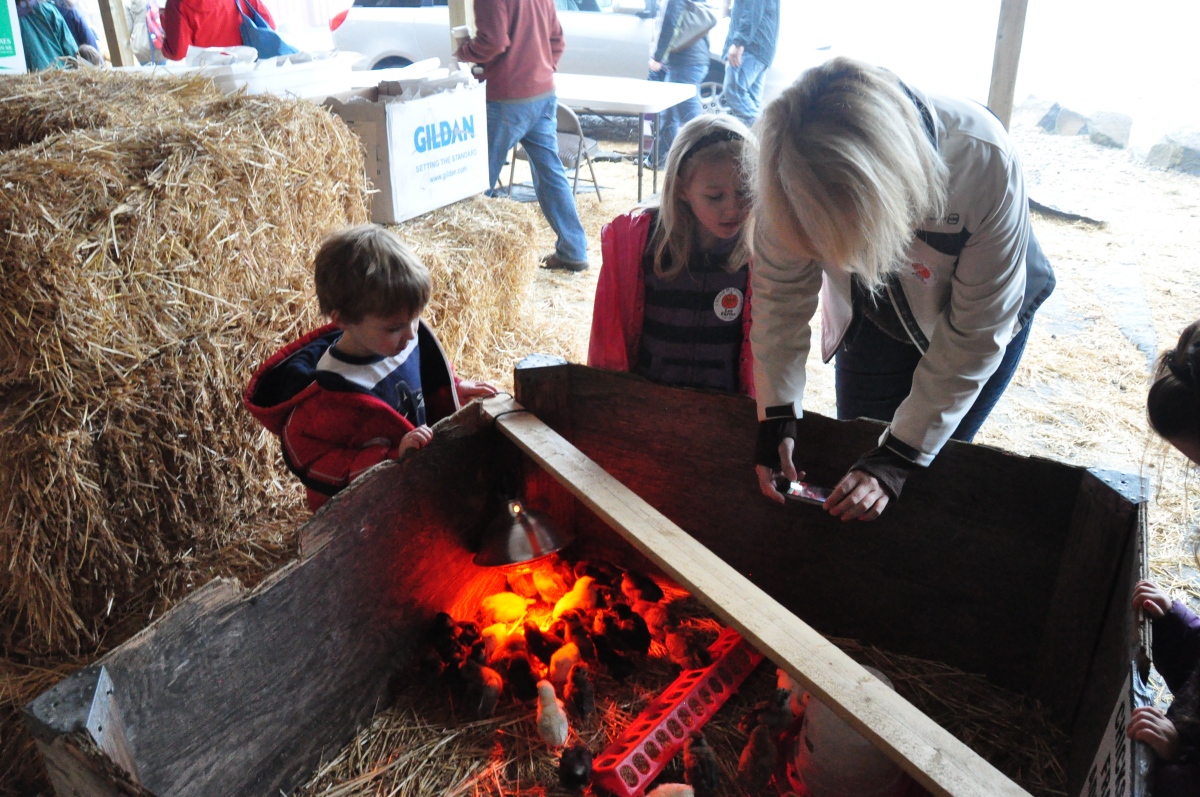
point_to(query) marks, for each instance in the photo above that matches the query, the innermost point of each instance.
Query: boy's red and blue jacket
(332, 430)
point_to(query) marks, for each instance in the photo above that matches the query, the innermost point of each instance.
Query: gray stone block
(1179, 151)
(1063, 121)
(1109, 129)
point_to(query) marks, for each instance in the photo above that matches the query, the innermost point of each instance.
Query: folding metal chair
(573, 149)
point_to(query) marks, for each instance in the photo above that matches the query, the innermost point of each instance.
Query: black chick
(700, 768)
(618, 666)
(607, 624)
(757, 762)
(541, 644)
(775, 713)
(468, 632)
(578, 634)
(637, 586)
(579, 695)
(686, 649)
(575, 766)
(604, 573)
(444, 637)
(637, 633)
(518, 673)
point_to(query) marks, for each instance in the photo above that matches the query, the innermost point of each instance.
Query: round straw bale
(145, 270)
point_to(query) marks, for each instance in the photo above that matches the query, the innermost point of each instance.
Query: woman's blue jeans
(688, 66)
(874, 373)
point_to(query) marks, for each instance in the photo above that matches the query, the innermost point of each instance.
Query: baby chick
(518, 672)
(541, 644)
(503, 607)
(444, 638)
(551, 717)
(775, 713)
(575, 766)
(549, 585)
(656, 616)
(581, 596)
(634, 628)
(577, 634)
(637, 586)
(579, 694)
(672, 790)
(493, 638)
(562, 661)
(757, 763)
(484, 686)
(618, 666)
(686, 649)
(700, 767)
(784, 681)
(522, 584)
(604, 573)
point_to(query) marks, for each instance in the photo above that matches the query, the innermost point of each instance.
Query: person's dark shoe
(553, 261)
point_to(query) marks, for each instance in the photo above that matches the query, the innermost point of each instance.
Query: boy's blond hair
(677, 224)
(367, 270)
(847, 170)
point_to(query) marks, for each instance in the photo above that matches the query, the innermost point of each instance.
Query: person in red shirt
(205, 23)
(518, 44)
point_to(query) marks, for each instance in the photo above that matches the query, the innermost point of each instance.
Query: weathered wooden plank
(937, 760)
(239, 692)
(1101, 530)
(116, 33)
(961, 569)
(78, 768)
(546, 391)
(1010, 33)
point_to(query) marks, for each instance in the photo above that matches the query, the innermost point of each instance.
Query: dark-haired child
(365, 387)
(1174, 409)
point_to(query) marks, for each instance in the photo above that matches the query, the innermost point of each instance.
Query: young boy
(362, 388)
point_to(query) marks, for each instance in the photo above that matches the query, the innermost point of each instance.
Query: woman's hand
(655, 66)
(417, 438)
(767, 476)
(1150, 598)
(858, 496)
(1150, 725)
(469, 389)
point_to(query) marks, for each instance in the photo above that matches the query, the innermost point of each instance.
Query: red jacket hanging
(331, 435)
(620, 296)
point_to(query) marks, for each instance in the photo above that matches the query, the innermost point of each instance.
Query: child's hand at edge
(417, 438)
(1150, 725)
(469, 389)
(1150, 598)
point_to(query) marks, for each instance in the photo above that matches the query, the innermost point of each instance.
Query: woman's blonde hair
(847, 170)
(704, 139)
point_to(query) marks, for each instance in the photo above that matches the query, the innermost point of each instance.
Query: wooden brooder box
(1017, 568)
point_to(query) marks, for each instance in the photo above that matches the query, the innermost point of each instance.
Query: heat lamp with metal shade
(519, 536)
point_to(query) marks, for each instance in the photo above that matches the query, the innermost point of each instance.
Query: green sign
(8, 37)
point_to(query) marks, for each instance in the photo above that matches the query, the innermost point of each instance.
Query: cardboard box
(12, 53)
(421, 154)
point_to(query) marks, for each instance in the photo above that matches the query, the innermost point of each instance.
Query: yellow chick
(562, 661)
(552, 722)
(581, 596)
(504, 607)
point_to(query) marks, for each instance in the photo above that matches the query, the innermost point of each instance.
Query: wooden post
(116, 32)
(928, 752)
(1009, 35)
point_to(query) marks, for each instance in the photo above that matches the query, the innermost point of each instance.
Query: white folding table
(623, 96)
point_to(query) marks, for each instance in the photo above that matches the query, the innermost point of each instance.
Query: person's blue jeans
(742, 92)
(874, 372)
(535, 125)
(688, 66)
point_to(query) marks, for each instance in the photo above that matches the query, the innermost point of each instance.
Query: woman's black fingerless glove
(771, 433)
(888, 467)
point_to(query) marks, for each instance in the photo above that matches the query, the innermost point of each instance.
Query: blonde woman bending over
(907, 213)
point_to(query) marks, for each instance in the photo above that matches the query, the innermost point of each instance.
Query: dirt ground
(1079, 395)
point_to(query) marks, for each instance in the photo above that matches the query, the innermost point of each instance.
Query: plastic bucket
(832, 760)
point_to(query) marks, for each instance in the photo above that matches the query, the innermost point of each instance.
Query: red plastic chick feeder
(637, 756)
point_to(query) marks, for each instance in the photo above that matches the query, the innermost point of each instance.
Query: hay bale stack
(145, 271)
(40, 104)
(479, 255)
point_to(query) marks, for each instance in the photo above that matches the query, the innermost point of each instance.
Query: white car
(614, 41)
